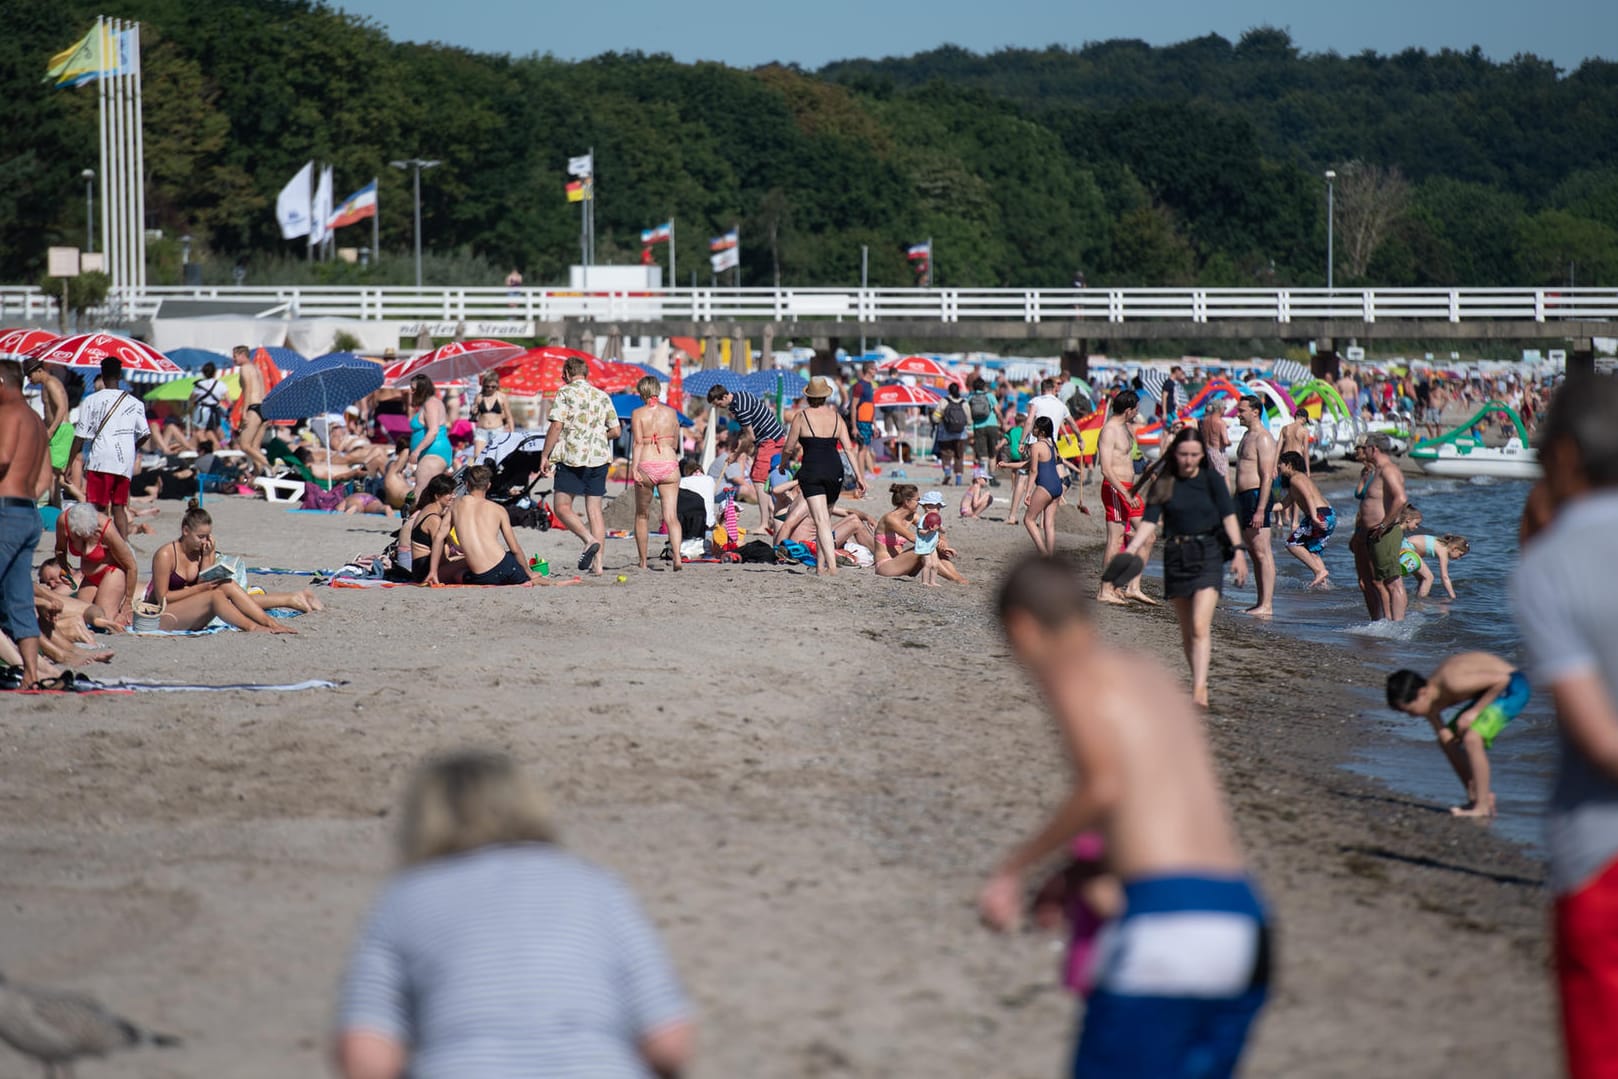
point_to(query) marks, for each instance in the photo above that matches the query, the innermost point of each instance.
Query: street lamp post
(89, 176)
(417, 164)
(1331, 217)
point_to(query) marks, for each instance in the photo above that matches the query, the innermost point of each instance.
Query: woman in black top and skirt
(819, 431)
(1191, 504)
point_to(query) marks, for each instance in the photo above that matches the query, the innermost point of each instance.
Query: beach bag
(955, 420)
(316, 499)
(982, 407)
(148, 617)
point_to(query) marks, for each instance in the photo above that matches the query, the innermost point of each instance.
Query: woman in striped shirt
(496, 953)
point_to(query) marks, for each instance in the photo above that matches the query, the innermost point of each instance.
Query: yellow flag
(84, 61)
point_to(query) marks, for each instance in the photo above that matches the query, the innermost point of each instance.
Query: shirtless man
(1377, 535)
(480, 526)
(1114, 448)
(1144, 779)
(251, 437)
(25, 472)
(1316, 518)
(1295, 439)
(53, 395)
(1255, 475)
(1491, 694)
(1348, 389)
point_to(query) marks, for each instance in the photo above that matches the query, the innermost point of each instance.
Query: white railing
(948, 305)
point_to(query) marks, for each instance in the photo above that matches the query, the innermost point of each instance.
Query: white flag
(320, 212)
(727, 259)
(583, 167)
(292, 204)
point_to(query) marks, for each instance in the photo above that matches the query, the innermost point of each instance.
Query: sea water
(1479, 618)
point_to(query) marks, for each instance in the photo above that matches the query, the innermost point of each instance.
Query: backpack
(982, 407)
(955, 417)
(757, 551)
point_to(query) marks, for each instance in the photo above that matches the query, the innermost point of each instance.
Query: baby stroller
(516, 471)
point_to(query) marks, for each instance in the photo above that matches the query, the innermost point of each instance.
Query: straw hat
(819, 386)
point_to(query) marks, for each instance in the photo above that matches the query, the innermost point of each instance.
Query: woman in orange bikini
(655, 465)
(191, 603)
(108, 575)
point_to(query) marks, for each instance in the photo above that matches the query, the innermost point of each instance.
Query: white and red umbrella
(920, 366)
(898, 395)
(89, 349)
(22, 342)
(453, 362)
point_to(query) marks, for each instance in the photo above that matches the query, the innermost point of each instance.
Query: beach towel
(135, 685)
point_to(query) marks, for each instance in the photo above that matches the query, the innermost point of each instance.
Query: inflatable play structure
(1462, 453)
(1223, 394)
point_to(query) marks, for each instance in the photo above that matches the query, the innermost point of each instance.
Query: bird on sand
(56, 1027)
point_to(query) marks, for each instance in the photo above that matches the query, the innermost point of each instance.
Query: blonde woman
(820, 432)
(654, 465)
(491, 414)
(496, 952)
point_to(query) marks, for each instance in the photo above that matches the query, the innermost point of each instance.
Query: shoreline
(804, 781)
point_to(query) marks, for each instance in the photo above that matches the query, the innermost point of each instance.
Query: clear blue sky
(745, 33)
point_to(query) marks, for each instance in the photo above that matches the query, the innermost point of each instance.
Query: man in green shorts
(1487, 693)
(1377, 535)
(53, 395)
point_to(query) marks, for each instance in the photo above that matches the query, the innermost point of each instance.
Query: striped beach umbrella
(1291, 372)
(898, 395)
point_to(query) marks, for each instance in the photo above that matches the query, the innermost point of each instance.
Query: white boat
(1513, 461)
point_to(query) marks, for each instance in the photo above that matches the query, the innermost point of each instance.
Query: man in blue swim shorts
(1316, 518)
(1179, 978)
(1487, 692)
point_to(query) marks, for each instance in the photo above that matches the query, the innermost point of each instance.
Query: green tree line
(1200, 162)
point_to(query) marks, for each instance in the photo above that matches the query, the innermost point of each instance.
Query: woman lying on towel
(196, 590)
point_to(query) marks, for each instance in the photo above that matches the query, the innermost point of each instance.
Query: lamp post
(1331, 175)
(416, 164)
(89, 176)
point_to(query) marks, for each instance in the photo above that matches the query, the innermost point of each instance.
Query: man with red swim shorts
(769, 436)
(1114, 449)
(1566, 598)
(112, 423)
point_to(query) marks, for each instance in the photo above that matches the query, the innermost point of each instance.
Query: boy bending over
(1491, 694)
(1181, 975)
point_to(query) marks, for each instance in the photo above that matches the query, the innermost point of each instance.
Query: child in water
(1490, 693)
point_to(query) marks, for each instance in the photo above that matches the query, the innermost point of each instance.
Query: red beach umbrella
(453, 362)
(87, 350)
(898, 395)
(22, 341)
(540, 370)
(620, 377)
(920, 366)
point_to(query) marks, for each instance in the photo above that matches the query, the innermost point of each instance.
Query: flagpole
(120, 161)
(931, 273)
(140, 164)
(309, 237)
(736, 231)
(101, 102)
(672, 278)
(376, 221)
(592, 207)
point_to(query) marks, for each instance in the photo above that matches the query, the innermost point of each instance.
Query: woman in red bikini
(190, 603)
(654, 465)
(108, 575)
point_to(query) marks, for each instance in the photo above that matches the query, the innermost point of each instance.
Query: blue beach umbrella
(763, 383)
(288, 360)
(192, 359)
(328, 384)
(697, 383)
(625, 404)
(650, 370)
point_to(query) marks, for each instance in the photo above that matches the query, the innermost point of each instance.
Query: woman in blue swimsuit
(1040, 518)
(429, 433)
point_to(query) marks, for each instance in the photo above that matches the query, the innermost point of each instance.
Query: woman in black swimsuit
(492, 416)
(819, 431)
(430, 518)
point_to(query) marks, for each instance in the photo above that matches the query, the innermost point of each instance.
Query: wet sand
(804, 780)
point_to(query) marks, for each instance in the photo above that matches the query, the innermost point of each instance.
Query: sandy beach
(805, 781)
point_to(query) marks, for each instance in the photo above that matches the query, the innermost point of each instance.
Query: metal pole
(865, 282)
(672, 278)
(140, 164)
(89, 210)
(106, 224)
(376, 219)
(1330, 225)
(417, 164)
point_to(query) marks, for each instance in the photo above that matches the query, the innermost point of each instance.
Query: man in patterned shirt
(768, 438)
(577, 453)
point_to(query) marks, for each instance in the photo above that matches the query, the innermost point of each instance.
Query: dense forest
(1201, 162)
